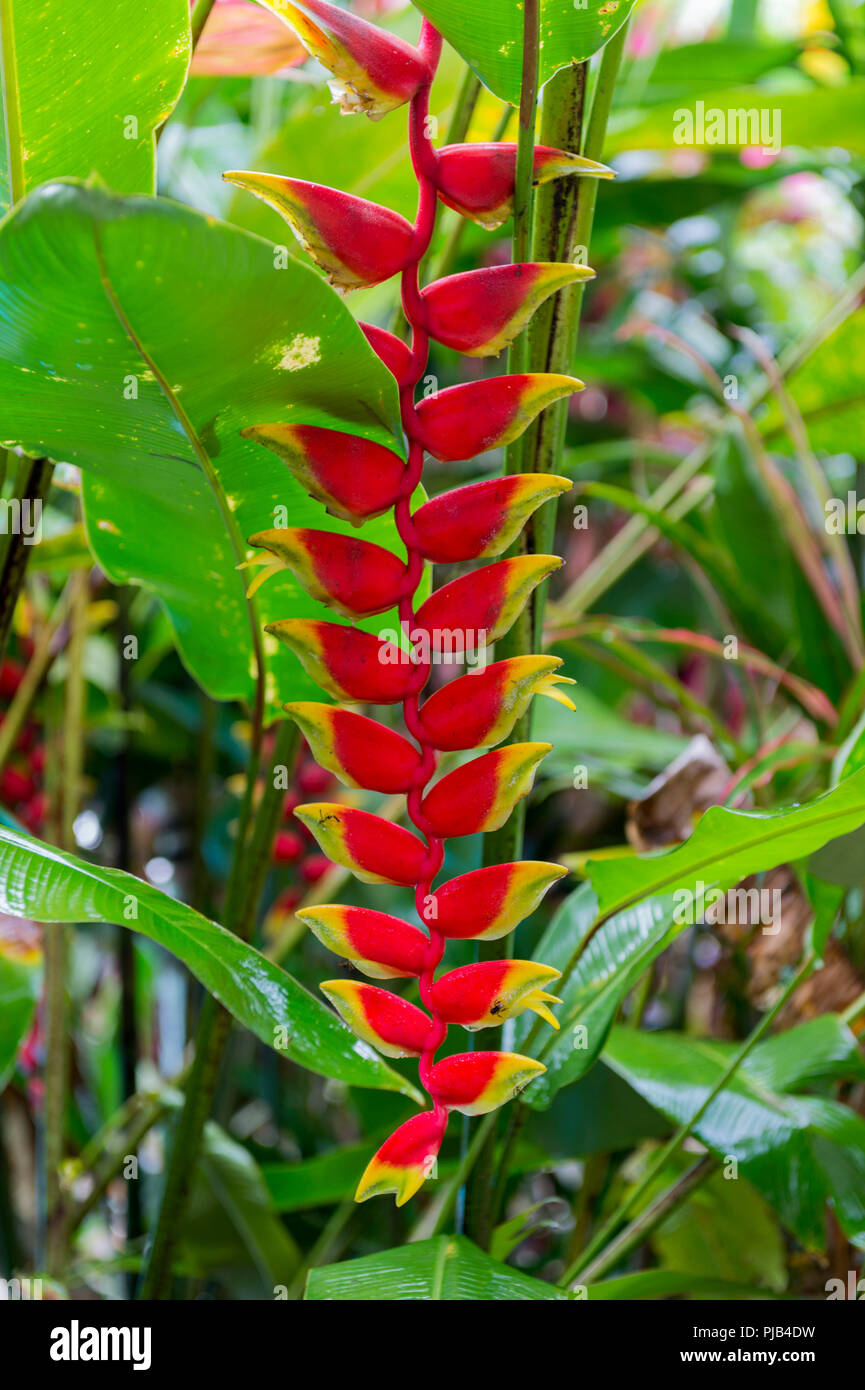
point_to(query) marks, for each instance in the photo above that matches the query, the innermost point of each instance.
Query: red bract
(478, 180)
(467, 420)
(354, 478)
(476, 313)
(353, 241)
(482, 311)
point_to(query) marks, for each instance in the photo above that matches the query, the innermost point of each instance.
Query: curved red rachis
(476, 313)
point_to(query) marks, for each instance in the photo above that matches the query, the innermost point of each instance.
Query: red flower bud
(481, 311)
(312, 781)
(287, 847)
(393, 1025)
(481, 709)
(477, 1082)
(375, 71)
(383, 947)
(350, 664)
(314, 868)
(486, 602)
(480, 795)
(488, 903)
(406, 1159)
(462, 421)
(353, 241)
(394, 353)
(11, 676)
(482, 519)
(372, 848)
(354, 478)
(486, 994)
(15, 785)
(478, 180)
(352, 576)
(359, 751)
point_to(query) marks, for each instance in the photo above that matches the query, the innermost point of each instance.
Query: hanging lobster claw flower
(372, 848)
(393, 1025)
(486, 994)
(394, 353)
(481, 519)
(375, 71)
(462, 421)
(486, 602)
(478, 180)
(355, 242)
(355, 478)
(352, 576)
(488, 903)
(349, 664)
(359, 751)
(477, 1082)
(405, 1160)
(481, 311)
(383, 947)
(481, 709)
(480, 795)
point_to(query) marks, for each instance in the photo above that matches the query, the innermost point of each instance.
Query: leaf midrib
(232, 529)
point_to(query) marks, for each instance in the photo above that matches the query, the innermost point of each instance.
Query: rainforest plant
(358, 243)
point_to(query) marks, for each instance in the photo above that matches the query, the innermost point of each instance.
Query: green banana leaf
(799, 1152)
(137, 339)
(49, 885)
(85, 87)
(448, 1268)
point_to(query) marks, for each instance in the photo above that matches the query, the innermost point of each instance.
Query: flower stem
(249, 867)
(673, 1145)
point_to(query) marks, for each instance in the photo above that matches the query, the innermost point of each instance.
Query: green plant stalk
(250, 862)
(607, 1233)
(17, 554)
(57, 939)
(506, 843)
(853, 1011)
(643, 1225)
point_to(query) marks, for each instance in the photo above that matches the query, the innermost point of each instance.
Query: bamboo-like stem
(643, 1225)
(33, 493)
(250, 862)
(57, 936)
(676, 1141)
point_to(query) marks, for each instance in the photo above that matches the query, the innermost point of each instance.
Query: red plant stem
(423, 160)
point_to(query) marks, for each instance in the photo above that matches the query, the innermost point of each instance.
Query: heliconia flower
(486, 994)
(376, 71)
(486, 602)
(353, 241)
(393, 1025)
(383, 947)
(482, 519)
(478, 180)
(465, 420)
(359, 751)
(481, 311)
(355, 478)
(477, 1082)
(480, 795)
(353, 576)
(481, 709)
(350, 664)
(406, 1159)
(488, 903)
(394, 353)
(375, 850)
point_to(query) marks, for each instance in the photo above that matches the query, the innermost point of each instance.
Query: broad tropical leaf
(726, 846)
(490, 37)
(798, 1151)
(49, 885)
(448, 1268)
(138, 339)
(85, 87)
